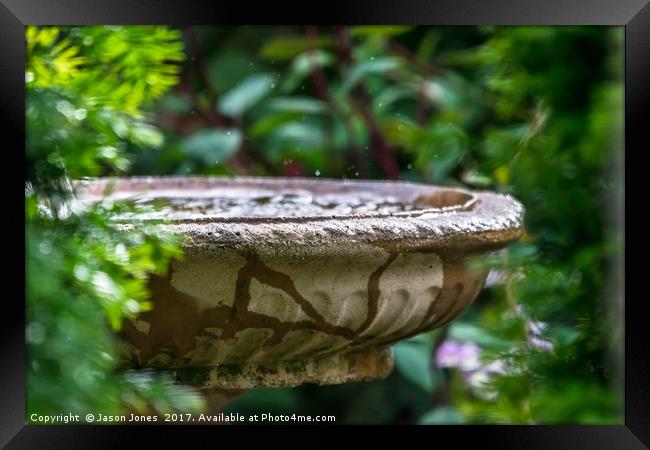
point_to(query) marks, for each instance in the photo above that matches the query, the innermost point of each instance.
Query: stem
(199, 64)
(343, 45)
(510, 296)
(319, 81)
(323, 90)
(380, 149)
(442, 395)
(242, 159)
(421, 109)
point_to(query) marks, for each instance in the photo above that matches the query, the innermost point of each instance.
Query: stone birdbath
(291, 281)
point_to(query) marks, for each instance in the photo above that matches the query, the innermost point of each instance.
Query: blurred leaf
(441, 149)
(403, 132)
(146, 135)
(227, 66)
(391, 95)
(467, 332)
(500, 145)
(429, 44)
(302, 141)
(303, 65)
(441, 93)
(476, 180)
(269, 123)
(287, 47)
(176, 104)
(379, 30)
(438, 148)
(413, 360)
(441, 416)
(246, 95)
(212, 146)
(301, 105)
(369, 67)
(297, 136)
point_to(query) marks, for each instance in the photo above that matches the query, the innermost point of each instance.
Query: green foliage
(85, 276)
(117, 67)
(84, 90)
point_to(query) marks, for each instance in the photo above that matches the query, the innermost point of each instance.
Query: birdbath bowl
(291, 281)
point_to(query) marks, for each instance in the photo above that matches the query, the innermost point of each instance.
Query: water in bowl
(242, 203)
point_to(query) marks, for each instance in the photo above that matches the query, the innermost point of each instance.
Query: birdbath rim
(443, 216)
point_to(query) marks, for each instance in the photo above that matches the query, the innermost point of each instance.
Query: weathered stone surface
(279, 301)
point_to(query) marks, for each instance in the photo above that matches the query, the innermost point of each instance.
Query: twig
(242, 159)
(211, 117)
(421, 108)
(343, 45)
(380, 149)
(199, 64)
(318, 78)
(423, 68)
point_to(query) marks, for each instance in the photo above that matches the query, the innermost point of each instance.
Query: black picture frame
(634, 15)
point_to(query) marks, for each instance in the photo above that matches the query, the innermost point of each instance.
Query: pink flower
(463, 355)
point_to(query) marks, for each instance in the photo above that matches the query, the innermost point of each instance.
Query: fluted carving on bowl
(231, 309)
